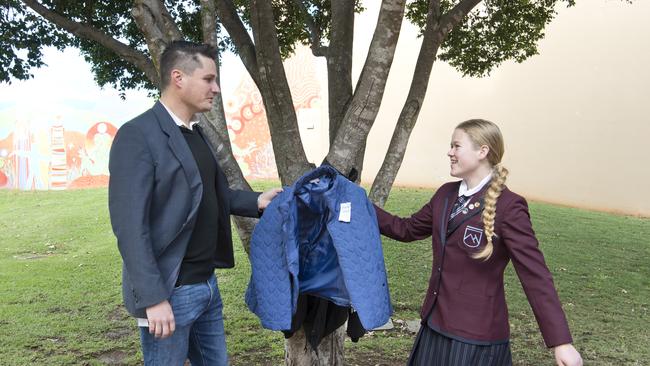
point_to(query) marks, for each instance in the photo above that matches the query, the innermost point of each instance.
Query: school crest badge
(472, 236)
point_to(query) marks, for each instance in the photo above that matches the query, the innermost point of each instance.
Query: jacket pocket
(473, 314)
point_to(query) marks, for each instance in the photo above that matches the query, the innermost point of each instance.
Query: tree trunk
(157, 26)
(339, 63)
(287, 146)
(435, 32)
(395, 155)
(364, 106)
(298, 352)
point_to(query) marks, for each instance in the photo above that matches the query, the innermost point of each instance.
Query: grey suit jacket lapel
(179, 148)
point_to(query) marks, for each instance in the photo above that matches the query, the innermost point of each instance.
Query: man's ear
(176, 77)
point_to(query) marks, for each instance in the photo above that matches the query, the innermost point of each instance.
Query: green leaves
(495, 31)
(22, 37)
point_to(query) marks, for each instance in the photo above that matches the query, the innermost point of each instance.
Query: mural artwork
(42, 154)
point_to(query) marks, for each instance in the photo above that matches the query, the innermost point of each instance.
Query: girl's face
(465, 158)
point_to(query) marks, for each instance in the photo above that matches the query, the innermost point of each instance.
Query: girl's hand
(567, 355)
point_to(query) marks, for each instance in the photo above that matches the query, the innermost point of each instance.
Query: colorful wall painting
(51, 153)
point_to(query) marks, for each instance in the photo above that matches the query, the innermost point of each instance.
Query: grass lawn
(60, 300)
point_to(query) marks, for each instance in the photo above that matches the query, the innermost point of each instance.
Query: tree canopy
(495, 31)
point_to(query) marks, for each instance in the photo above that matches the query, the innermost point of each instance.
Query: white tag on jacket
(346, 211)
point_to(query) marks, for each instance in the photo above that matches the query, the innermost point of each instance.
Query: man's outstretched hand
(265, 198)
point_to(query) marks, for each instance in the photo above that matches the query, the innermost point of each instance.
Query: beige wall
(575, 118)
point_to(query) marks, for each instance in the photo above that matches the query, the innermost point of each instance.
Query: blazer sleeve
(243, 203)
(536, 279)
(130, 190)
(416, 227)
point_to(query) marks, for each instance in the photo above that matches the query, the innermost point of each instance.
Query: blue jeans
(199, 335)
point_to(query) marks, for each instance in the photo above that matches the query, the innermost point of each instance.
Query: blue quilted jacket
(319, 236)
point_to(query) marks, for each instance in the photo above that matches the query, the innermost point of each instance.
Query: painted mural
(49, 156)
(40, 153)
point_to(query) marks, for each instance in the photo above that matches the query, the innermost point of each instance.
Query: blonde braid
(489, 210)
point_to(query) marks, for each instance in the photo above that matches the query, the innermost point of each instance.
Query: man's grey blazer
(154, 193)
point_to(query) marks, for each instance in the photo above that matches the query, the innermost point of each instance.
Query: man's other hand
(161, 320)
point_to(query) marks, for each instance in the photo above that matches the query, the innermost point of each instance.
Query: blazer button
(435, 293)
(439, 269)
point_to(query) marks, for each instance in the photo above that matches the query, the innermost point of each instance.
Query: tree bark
(209, 27)
(287, 146)
(339, 63)
(364, 106)
(317, 48)
(436, 30)
(240, 37)
(298, 352)
(157, 26)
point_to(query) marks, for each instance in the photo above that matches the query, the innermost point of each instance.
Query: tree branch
(86, 31)
(157, 25)
(316, 47)
(364, 106)
(432, 39)
(240, 37)
(339, 62)
(456, 15)
(290, 156)
(435, 32)
(209, 23)
(434, 9)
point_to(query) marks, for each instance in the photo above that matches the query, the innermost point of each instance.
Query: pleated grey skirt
(434, 349)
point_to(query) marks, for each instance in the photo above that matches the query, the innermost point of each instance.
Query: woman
(477, 226)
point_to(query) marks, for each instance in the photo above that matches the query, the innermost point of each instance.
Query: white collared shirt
(463, 191)
(178, 121)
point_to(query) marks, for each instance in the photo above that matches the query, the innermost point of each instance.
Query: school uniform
(464, 315)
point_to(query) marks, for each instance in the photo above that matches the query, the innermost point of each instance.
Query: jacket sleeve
(130, 190)
(416, 227)
(536, 279)
(243, 203)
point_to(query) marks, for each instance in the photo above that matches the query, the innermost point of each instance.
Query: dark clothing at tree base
(321, 317)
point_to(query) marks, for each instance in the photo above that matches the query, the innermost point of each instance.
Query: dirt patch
(114, 357)
(259, 357)
(119, 313)
(30, 256)
(119, 333)
(372, 359)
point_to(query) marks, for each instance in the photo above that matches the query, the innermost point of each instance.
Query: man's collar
(178, 121)
(463, 191)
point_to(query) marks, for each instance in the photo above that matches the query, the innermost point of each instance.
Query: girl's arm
(416, 227)
(519, 239)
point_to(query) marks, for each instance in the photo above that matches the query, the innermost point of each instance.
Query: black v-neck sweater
(198, 263)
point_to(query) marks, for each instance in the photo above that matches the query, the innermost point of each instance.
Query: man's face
(200, 86)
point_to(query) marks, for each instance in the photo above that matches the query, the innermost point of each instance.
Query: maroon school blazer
(468, 293)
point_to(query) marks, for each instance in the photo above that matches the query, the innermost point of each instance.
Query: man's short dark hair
(182, 55)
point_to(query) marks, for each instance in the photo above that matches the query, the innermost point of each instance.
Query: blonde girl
(477, 226)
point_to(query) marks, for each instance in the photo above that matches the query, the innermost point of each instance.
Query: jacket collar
(450, 198)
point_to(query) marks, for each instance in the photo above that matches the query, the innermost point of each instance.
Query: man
(170, 209)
